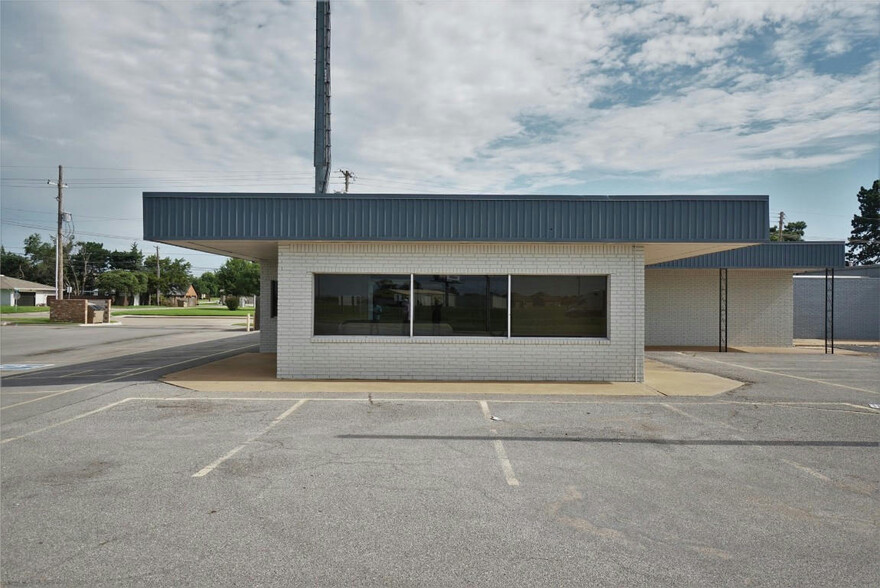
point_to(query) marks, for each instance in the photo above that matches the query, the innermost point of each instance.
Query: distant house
(182, 298)
(28, 293)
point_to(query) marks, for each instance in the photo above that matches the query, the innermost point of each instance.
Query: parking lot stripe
(754, 369)
(70, 420)
(213, 465)
(861, 409)
(153, 369)
(506, 466)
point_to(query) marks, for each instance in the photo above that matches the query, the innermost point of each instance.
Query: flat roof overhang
(655, 253)
(250, 226)
(793, 255)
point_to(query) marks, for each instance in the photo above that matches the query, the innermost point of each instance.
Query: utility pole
(349, 177)
(158, 275)
(322, 96)
(781, 220)
(59, 244)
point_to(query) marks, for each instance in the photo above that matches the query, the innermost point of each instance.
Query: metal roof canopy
(250, 225)
(786, 255)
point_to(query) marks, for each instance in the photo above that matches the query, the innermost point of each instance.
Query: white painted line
(790, 462)
(754, 369)
(807, 470)
(506, 467)
(213, 465)
(70, 420)
(708, 423)
(485, 406)
(124, 375)
(73, 374)
(793, 404)
(505, 463)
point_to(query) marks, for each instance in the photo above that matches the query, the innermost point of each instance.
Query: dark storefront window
(357, 304)
(460, 306)
(559, 306)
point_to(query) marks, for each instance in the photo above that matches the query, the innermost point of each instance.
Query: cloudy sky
(734, 97)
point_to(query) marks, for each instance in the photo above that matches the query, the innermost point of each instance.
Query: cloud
(464, 96)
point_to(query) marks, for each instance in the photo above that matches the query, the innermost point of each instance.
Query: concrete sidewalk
(255, 372)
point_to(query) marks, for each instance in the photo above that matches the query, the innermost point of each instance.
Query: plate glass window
(360, 304)
(559, 306)
(460, 306)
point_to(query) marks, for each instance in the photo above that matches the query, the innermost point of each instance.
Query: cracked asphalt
(774, 484)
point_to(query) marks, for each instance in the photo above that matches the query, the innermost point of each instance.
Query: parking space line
(73, 374)
(64, 422)
(113, 379)
(798, 466)
(698, 419)
(506, 466)
(781, 404)
(213, 465)
(802, 378)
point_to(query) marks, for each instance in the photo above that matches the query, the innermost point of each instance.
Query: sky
(736, 97)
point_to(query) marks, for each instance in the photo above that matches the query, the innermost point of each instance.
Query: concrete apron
(255, 372)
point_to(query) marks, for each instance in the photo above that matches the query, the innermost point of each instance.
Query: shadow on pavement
(628, 440)
(137, 367)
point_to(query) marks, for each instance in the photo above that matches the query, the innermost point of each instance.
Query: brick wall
(620, 357)
(68, 311)
(856, 307)
(681, 307)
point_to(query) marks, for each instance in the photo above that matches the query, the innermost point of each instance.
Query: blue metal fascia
(396, 217)
(794, 255)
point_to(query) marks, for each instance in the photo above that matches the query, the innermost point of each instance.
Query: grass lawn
(195, 311)
(15, 309)
(28, 320)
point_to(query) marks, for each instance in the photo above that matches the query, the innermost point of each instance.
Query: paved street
(119, 479)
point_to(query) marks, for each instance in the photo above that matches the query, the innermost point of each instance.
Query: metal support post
(829, 310)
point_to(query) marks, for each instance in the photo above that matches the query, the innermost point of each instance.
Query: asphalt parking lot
(137, 482)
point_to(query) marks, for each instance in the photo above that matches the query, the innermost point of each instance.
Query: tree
(174, 275)
(13, 264)
(41, 257)
(207, 285)
(83, 265)
(864, 241)
(792, 232)
(238, 277)
(122, 283)
(131, 260)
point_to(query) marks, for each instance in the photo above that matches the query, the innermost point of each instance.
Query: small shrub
(232, 303)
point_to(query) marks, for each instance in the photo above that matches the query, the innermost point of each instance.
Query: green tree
(239, 277)
(792, 232)
(173, 274)
(88, 260)
(13, 264)
(131, 260)
(121, 283)
(864, 242)
(41, 258)
(207, 285)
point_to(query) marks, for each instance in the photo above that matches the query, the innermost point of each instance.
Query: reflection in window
(461, 306)
(362, 305)
(559, 306)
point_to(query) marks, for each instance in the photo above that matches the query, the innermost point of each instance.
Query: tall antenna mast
(322, 96)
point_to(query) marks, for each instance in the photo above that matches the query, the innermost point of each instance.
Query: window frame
(508, 336)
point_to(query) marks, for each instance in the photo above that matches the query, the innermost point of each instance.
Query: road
(137, 482)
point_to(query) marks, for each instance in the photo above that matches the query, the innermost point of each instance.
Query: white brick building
(482, 287)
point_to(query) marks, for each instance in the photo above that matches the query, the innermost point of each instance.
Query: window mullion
(509, 305)
(412, 302)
